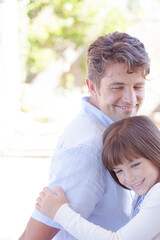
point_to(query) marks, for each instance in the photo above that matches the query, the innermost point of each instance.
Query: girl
(131, 153)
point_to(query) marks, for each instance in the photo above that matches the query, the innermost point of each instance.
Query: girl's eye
(135, 165)
(119, 171)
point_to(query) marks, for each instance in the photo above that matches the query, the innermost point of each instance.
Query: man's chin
(126, 115)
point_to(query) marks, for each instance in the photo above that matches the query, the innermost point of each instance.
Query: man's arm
(81, 180)
(36, 230)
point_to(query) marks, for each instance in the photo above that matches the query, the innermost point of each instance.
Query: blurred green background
(58, 29)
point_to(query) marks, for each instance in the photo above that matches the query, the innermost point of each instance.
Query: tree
(57, 25)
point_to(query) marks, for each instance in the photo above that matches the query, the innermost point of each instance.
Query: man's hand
(48, 203)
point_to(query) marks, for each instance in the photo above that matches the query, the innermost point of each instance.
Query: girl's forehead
(126, 162)
(123, 162)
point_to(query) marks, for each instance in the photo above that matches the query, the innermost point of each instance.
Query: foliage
(54, 25)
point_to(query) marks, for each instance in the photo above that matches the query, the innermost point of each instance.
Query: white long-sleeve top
(144, 226)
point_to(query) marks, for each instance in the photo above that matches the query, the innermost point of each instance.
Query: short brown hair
(130, 139)
(116, 48)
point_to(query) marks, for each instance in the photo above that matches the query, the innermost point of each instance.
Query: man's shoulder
(83, 131)
(85, 123)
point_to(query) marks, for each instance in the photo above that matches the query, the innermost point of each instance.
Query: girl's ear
(91, 87)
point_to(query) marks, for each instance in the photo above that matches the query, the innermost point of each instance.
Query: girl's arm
(48, 203)
(144, 226)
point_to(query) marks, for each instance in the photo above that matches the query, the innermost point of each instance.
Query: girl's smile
(138, 175)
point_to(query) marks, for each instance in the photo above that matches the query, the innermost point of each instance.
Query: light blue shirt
(77, 168)
(138, 204)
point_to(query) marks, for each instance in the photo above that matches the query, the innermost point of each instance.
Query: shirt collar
(94, 112)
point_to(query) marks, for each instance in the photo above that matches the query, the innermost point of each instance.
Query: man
(117, 67)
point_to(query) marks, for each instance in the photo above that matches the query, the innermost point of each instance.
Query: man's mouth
(127, 108)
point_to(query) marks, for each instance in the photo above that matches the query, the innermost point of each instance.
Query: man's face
(120, 94)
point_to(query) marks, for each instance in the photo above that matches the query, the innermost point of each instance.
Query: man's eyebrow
(140, 83)
(123, 84)
(117, 84)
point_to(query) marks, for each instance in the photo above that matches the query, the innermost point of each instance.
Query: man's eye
(117, 88)
(138, 87)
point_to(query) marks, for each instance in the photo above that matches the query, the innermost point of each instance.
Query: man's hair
(116, 48)
(129, 139)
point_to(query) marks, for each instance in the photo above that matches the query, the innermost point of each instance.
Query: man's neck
(93, 102)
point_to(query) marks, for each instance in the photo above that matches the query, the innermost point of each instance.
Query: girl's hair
(129, 139)
(116, 47)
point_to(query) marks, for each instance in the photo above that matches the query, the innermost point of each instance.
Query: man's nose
(129, 96)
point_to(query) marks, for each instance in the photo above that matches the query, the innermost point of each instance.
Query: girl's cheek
(121, 179)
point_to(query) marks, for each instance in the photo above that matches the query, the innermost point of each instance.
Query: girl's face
(138, 175)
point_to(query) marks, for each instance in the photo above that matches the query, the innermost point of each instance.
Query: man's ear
(91, 87)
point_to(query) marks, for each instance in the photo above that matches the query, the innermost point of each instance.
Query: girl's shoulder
(152, 198)
(154, 189)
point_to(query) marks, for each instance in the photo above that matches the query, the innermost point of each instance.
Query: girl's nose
(129, 177)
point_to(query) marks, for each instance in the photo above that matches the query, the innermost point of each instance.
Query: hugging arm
(71, 175)
(145, 225)
(55, 205)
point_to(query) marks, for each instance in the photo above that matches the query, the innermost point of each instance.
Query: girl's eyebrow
(115, 168)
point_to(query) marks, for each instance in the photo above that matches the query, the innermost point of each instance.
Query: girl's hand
(48, 202)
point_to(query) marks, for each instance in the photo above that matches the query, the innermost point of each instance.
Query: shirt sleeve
(145, 225)
(80, 173)
(80, 228)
